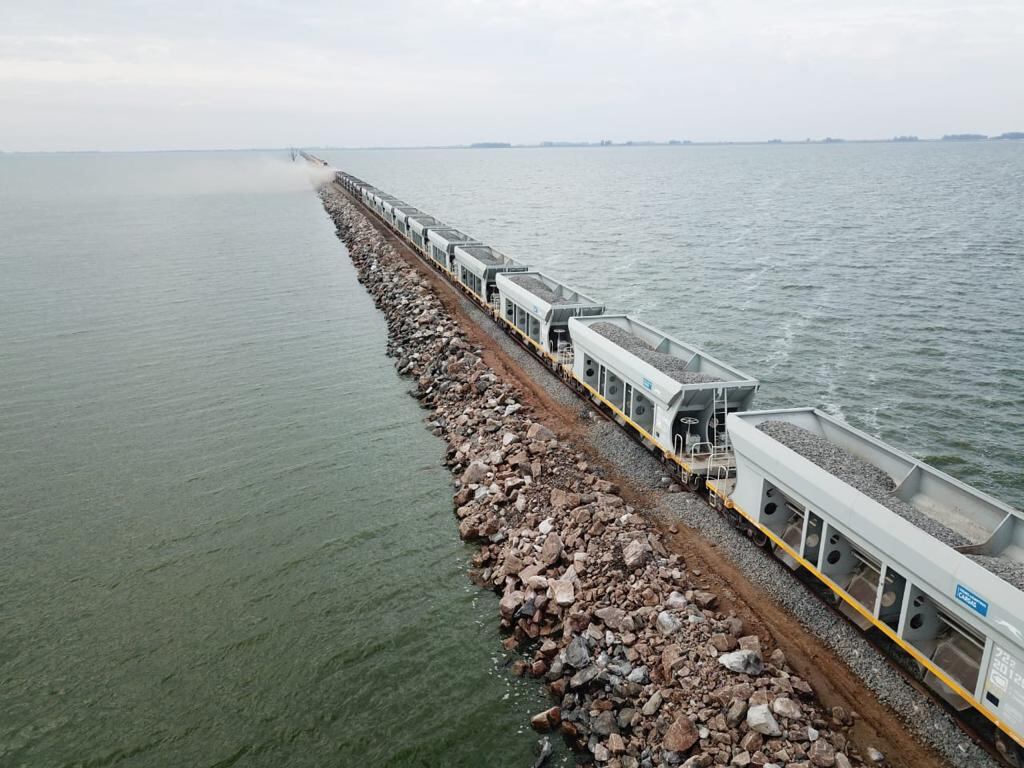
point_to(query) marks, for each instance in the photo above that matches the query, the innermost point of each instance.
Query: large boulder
(576, 653)
(743, 662)
(611, 616)
(562, 592)
(476, 472)
(652, 705)
(546, 720)
(510, 602)
(635, 553)
(760, 719)
(604, 724)
(561, 499)
(538, 431)
(681, 735)
(551, 550)
(671, 655)
(822, 754)
(736, 713)
(786, 707)
(668, 624)
(676, 601)
(584, 676)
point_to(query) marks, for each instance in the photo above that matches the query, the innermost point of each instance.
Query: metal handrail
(702, 447)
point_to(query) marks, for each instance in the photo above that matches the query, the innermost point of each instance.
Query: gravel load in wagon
(862, 475)
(1006, 569)
(668, 364)
(538, 289)
(486, 255)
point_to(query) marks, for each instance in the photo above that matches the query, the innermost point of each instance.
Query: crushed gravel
(862, 475)
(1008, 570)
(539, 289)
(667, 364)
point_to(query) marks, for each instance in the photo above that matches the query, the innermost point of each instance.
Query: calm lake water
(225, 535)
(881, 282)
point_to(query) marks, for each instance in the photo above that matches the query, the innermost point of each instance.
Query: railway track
(971, 723)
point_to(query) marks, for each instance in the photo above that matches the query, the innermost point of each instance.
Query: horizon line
(555, 144)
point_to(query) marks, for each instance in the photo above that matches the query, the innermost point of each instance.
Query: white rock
(676, 601)
(744, 662)
(537, 583)
(760, 719)
(786, 707)
(667, 623)
(546, 526)
(635, 553)
(562, 591)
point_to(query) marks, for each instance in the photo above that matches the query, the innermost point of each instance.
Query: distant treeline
(684, 142)
(982, 136)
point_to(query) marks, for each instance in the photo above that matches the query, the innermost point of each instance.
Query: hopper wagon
(934, 564)
(539, 307)
(441, 244)
(674, 395)
(477, 266)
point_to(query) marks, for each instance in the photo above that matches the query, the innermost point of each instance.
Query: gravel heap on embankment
(668, 364)
(643, 668)
(862, 475)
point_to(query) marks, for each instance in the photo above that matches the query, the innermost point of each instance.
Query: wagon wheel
(758, 537)
(1010, 752)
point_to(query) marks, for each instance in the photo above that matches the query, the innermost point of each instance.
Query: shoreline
(625, 635)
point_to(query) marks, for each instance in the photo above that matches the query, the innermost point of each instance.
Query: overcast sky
(97, 74)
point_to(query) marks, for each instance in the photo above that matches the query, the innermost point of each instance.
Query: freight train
(934, 565)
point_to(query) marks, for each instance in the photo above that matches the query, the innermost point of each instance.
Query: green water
(225, 535)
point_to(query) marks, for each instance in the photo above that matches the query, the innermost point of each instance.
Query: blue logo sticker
(971, 600)
(648, 384)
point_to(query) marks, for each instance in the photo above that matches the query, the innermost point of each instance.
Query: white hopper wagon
(400, 218)
(676, 395)
(387, 205)
(933, 563)
(418, 225)
(476, 267)
(367, 193)
(539, 307)
(441, 244)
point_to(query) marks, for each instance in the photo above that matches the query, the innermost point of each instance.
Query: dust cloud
(249, 173)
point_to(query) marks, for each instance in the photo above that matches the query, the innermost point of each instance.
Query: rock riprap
(627, 639)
